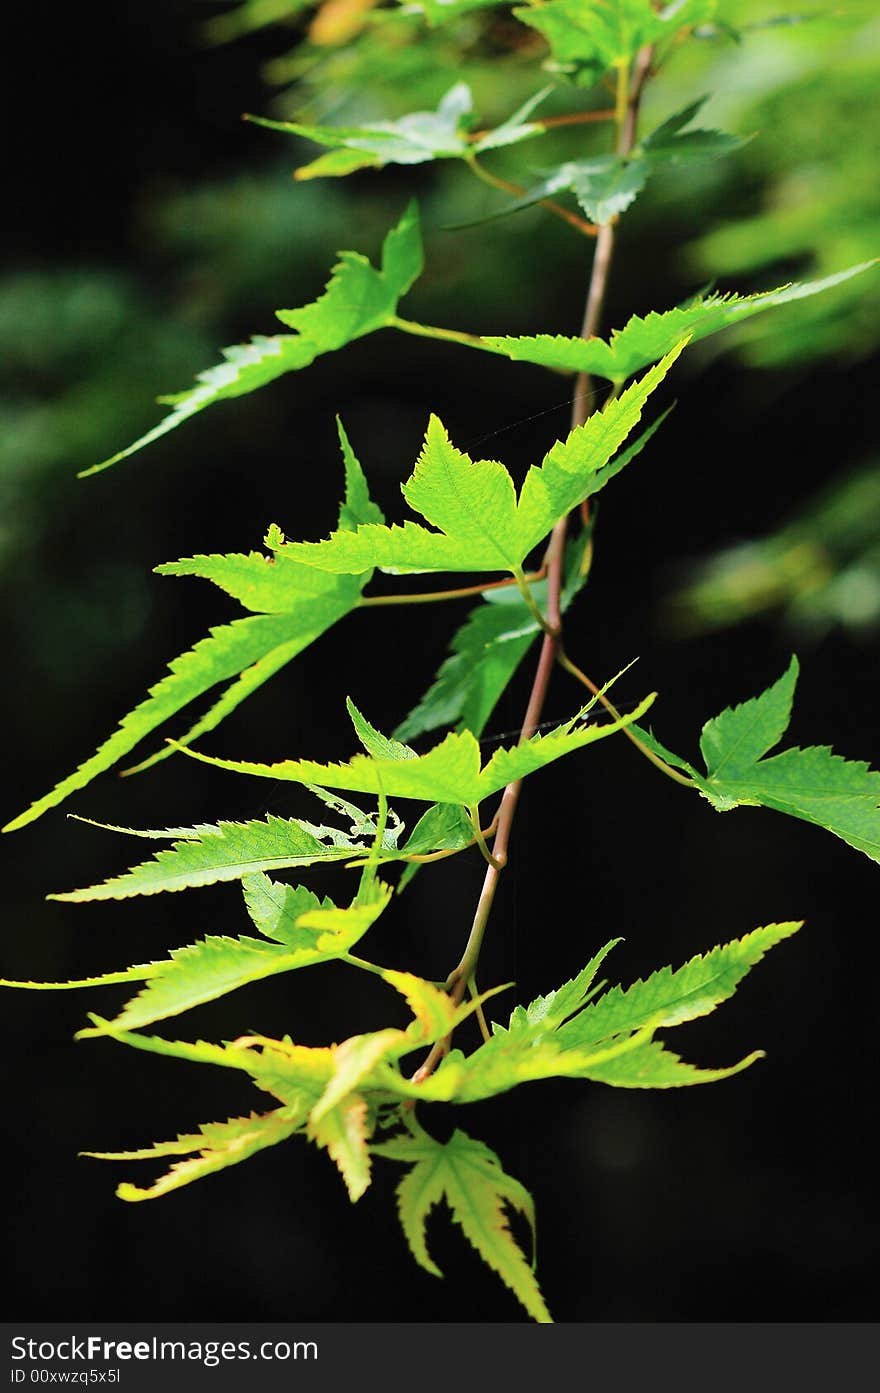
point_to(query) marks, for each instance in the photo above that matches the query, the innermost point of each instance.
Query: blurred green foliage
(801, 198)
(820, 570)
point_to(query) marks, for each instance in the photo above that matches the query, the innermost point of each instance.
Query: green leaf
(215, 1146)
(551, 1011)
(650, 1065)
(203, 972)
(308, 931)
(139, 973)
(482, 526)
(275, 907)
(568, 1035)
(344, 1133)
(671, 143)
(590, 36)
(339, 928)
(415, 138)
(812, 784)
(605, 187)
(645, 339)
(486, 651)
(469, 1177)
(297, 605)
(449, 773)
(358, 300)
(671, 996)
(444, 827)
(732, 742)
(227, 851)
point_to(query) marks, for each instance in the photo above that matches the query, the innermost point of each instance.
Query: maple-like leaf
(646, 338)
(358, 299)
(589, 37)
(214, 1147)
(481, 524)
(295, 605)
(577, 1033)
(227, 851)
(451, 772)
(813, 784)
(469, 1176)
(416, 138)
(606, 185)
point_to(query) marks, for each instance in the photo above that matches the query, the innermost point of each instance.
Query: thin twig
(564, 661)
(587, 229)
(427, 597)
(462, 975)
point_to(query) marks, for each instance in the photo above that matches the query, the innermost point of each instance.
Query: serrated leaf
(672, 143)
(651, 1065)
(609, 1038)
(344, 1133)
(139, 973)
(469, 1177)
(227, 851)
(300, 605)
(358, 299)
(671, 996)
(416, 138)
(645, 339)
(206, 970)
(435, 1012)
(449, 773)
(340, 928)
(256, 646)
(275, 907)
(215, 966)
(813, 784)
(353, 1061)
(592, 36)
(262, 584)
(732, 742)
(605, 186)
(482, 525)
(217, 1144)
(551, 1011)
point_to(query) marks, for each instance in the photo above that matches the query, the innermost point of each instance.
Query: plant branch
(461, 976)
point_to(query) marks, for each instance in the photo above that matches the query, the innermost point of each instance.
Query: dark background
(754, 1199)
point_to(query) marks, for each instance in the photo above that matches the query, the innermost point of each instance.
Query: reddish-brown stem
(588, 229)
(458, 979)
(461, 975)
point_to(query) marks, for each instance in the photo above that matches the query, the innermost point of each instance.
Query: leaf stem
(531, 605)
(478, 1010)
(627, 123)
(427, 597)
(564, 661)
(430, 331)
(586, 229)
(354, 961)
(474, 815)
